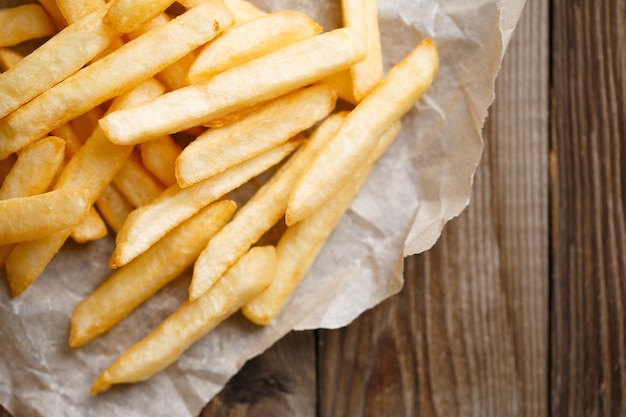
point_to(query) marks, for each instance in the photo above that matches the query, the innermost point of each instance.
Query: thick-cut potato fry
(92, 168)
(242, 10)
(251, 40)
(34, 217)
(131, 64)
(342, 81)
(62, 55)
(32, 173)
(131, 285)
(218, 149)
(71, 138)
(389, 101)
(9, 58)
(258, 214)
(362, 16)
(192, 321)
(52, 8)
(85, 124)
(35, 168)
(113, 207)
(136, 183)
(127, 15)
(22, 23)
(300, 244)
(28, 259)
(92, 227)
(256, 81)
(173, 76)
(159, 157)
(148, 224)
(74, 10)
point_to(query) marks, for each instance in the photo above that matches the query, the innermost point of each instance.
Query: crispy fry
(257, 215)
(131, 64)
(388, 102)
(9, 58)
(342, 81)
(22, 23)
(92, 168)
(300, 244)
(92, 227)
(148, 224)
(127, 15)
(159, 157)
(242, 10)
(134, 283)
(251, 40)
(113, 207)
(362, 16)
(34, 217)
(192, 321)
(73, 10)
(259, 80)
(55, 60)
(218, 149)
(35, 168)
(52, 8)
(136, 183)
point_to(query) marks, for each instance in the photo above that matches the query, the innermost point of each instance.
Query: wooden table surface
(520, 308)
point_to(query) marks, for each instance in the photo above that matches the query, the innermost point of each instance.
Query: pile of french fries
(142, 116)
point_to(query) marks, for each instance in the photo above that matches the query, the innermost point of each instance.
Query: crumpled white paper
(423, 181)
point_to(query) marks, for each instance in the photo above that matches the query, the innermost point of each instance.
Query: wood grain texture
(468, 335)
(281, 382)
(588, 338)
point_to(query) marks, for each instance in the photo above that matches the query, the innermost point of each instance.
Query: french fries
(34, 217)
(22, 23)
(192, 320)
(219, 149)
(132, 63)
(388, 102)
(255, 81)
(148, 224)
(134, 283)
(300, 244)
(250, 40)
(130, 119)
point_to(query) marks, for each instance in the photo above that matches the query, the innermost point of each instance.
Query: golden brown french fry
(300, 244)
(32, 173)
(131, 285)
(52, 8)
(389, 101)
(362, 16)
(92, 168)
(22, 23)
(92, 227)
(61, 56)
(136, 183)
(113, 207)
(9, 58)
(342, 81)
(34, 217)
(267, 77)
(35, 168)
(73, 10)
(127, 15)
(218, 149)
(146, 225)
(28, 259)
(192, 321)
(85, 124)
(242, 10)
(71, 138)
(251, 40)
(159, 157)
(132, 63)
(257, 215)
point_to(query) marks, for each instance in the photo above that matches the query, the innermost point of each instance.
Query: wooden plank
(468, 334)
(588, 322)
(280, 382)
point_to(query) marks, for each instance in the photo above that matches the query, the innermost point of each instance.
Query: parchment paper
(422, 182)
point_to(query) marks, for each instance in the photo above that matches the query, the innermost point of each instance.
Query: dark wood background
(519, 309)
